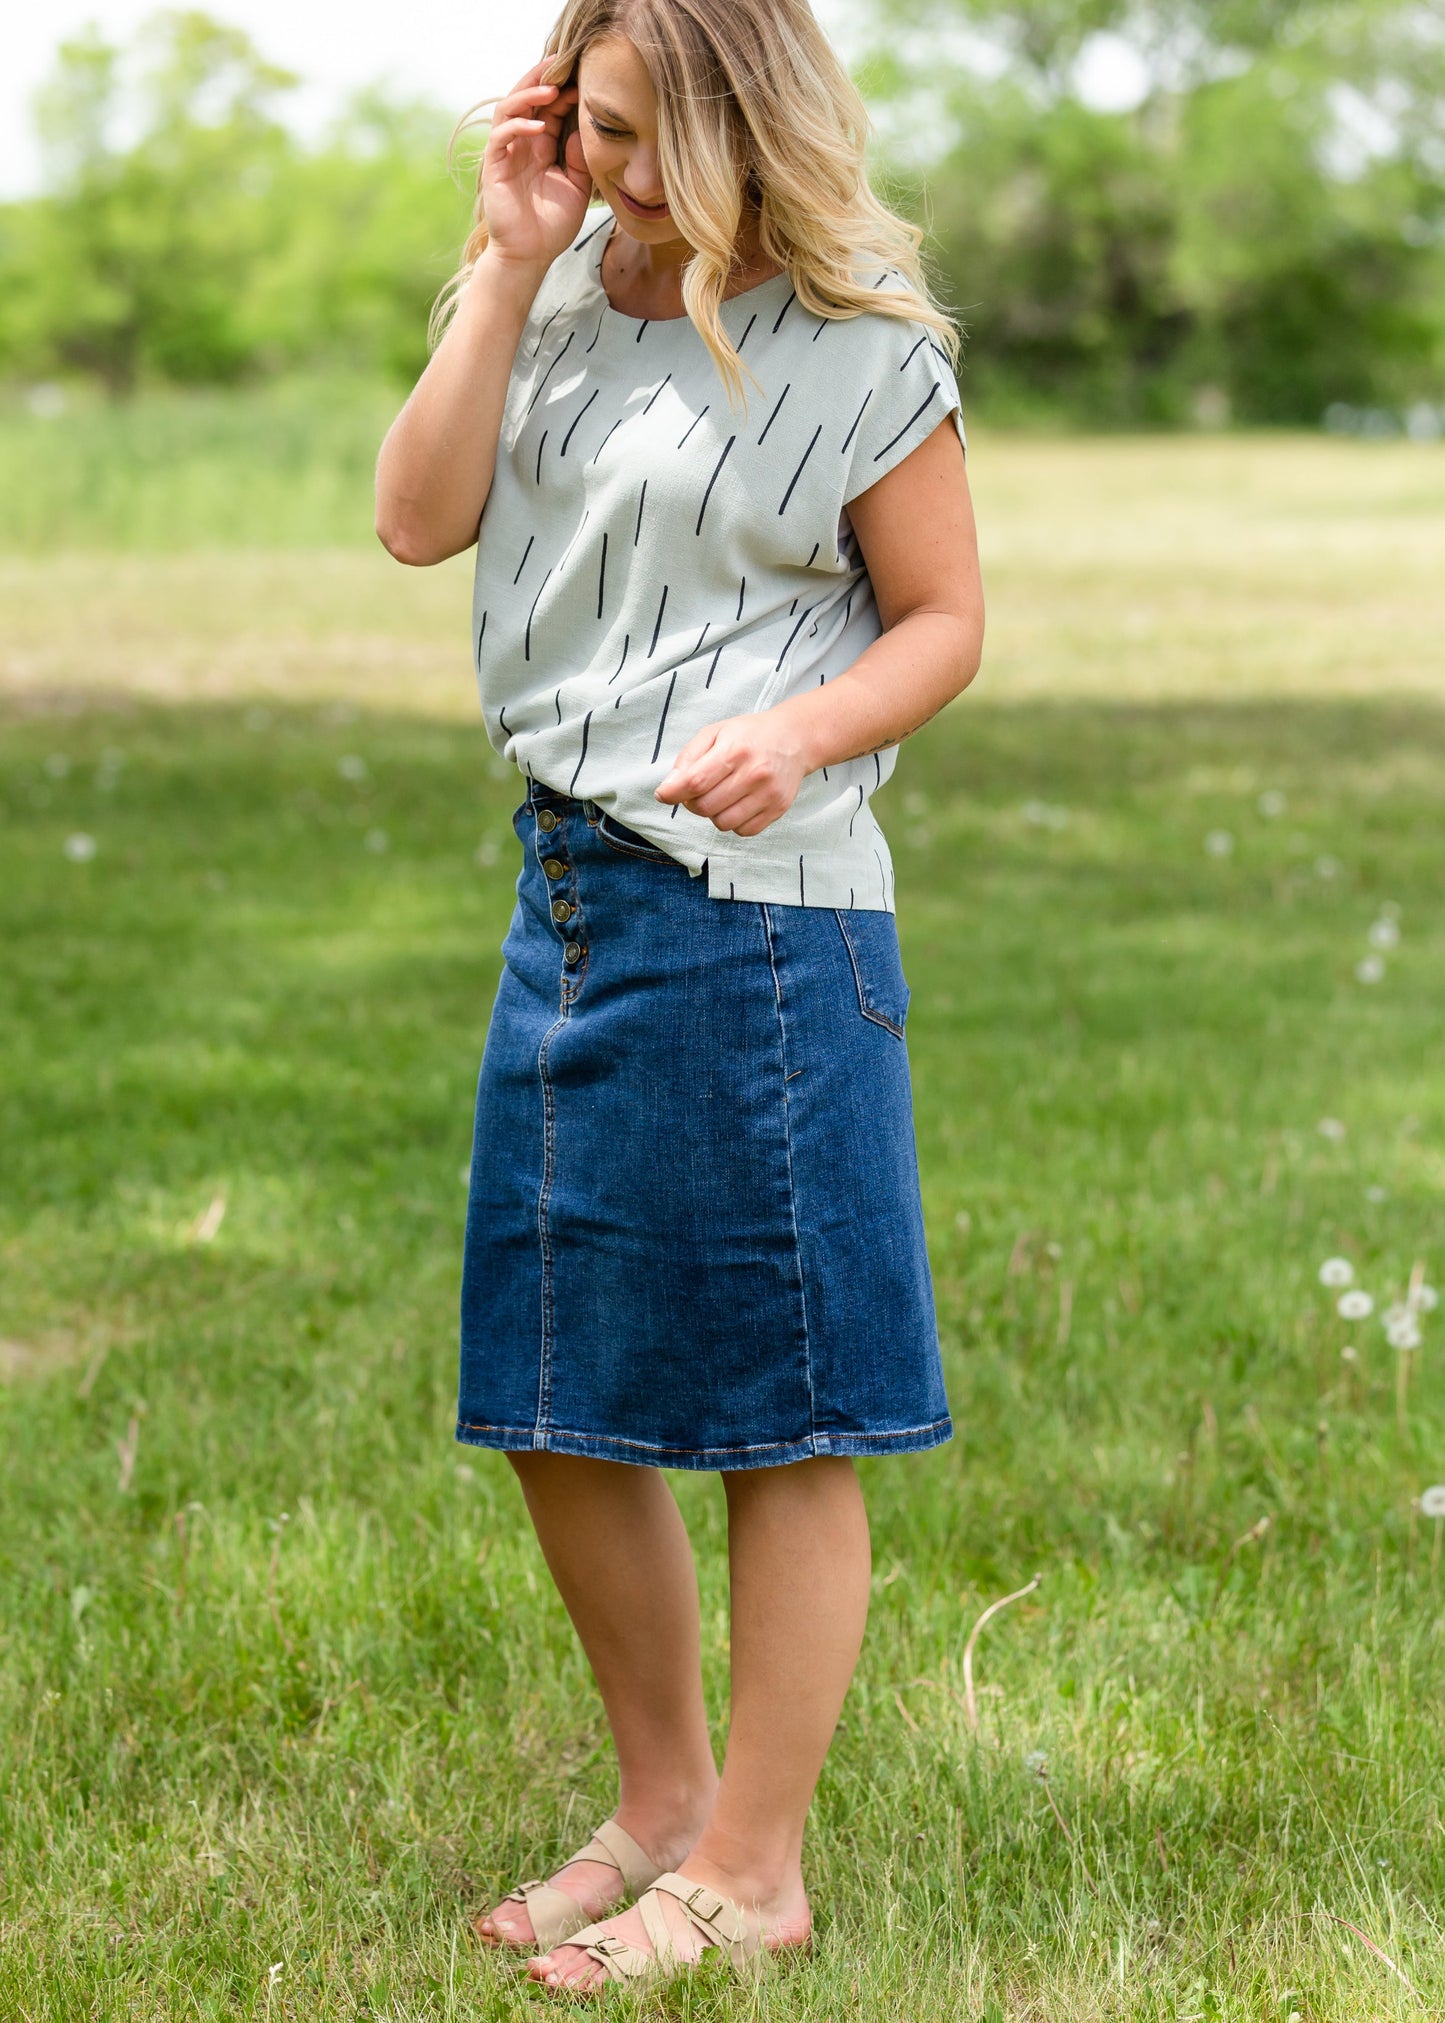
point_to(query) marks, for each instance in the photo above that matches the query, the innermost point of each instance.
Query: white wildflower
(1371, 970)
(487, 854)
(1432, 1501)
(1424, 1299)
(1219, 843)
(1337, 1271)
(1377, 1194)
(80, 848)
(1404, 1334)
(57, 765)
(378, 842)
(1355, 1305)
(352, 766)
(1327, 867)
(1272, 803)
(1331, 1128)
(1349, 1353)
(1385, 933)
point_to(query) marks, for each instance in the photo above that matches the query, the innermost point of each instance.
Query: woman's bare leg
(615, 1543)
(800, 1565)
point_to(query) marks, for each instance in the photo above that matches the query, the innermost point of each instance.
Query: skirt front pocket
(872, 942)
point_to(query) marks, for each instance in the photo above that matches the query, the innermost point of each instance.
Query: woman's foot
(781, 1915)
(595, 1886)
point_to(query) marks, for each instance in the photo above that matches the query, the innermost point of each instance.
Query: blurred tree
(1260, 234)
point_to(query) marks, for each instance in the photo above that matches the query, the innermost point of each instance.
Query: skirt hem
(765, 1454)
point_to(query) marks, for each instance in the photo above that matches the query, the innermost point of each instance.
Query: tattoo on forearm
(888, 743)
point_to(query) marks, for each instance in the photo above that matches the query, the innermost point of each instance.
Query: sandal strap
(614, 1846)
(554, 1915)
(721, 1922)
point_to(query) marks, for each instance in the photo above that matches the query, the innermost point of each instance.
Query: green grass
(284, 1687)
(284, 464)
(300, 1693)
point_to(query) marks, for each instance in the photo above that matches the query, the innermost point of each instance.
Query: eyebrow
(607, 112)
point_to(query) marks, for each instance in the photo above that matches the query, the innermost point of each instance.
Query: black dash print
(713, 669)
(814, 556)
(585, 722)
(850, 895)
(792, 607)
(527, 635)
(791, 637)
(558, 700)
(540, 447)
(711, 482)
(582, 243)
(932, 391)
(913, 354)
(482, 632)
(693, 424)
(503, 725)
(605, 441)
(541, 383)
(656, 390)
(700, 638)
(640, 503)
(774, 415)
(641, 328)
(742, 591)
(626, 641)
(802, 893)
(747, 333)
(882, 878)
(856, 812)
(856, 419)
(525, 553)
(784, 310)
(580, 412)
(598, 331)
(661, 607)
(663, 718)
(602, 573)
(799, 471)
(877, 769)
(546, 327)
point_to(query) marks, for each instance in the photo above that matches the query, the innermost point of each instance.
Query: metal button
(572, 950)
(547, 819)
(561, 910)
(554, 867)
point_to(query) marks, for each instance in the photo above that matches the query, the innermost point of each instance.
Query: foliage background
(1258, 239)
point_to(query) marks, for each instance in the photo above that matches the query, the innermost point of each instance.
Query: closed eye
(608, 132)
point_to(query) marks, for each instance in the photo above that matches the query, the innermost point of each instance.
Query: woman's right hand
(533, 205)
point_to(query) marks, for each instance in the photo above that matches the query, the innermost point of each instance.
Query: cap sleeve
(903, 389)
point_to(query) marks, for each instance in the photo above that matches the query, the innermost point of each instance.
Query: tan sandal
(556, 1916)
(734, 1931)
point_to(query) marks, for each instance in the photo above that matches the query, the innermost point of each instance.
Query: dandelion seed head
(1385, 933)
(1371, 970)
(1036, 1763)
(352, 766)
(1337, 1271)
(1219, 843)
(80, 848)
(57, 765)
(1355, 1305)
(487, 854)
(1349, 1353)
(1403, 1335)
(378, 842)
(1331, 1128)
(963, 1220)
(1425, 1299)
(1432, 1501)
(465, 1176)
(1377, 1194)
(1272, 803)
(1327, 867)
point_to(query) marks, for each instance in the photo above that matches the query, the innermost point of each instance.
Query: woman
(703, 624)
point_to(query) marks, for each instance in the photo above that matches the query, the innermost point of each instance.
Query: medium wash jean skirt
(694, 1235)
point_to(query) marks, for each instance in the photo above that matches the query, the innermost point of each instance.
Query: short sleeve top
(651, 560)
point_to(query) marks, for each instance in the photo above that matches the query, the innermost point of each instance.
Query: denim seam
(868, 1011)
(544, 1238)
(792, 1195)
(658, 1447)
(654, 855)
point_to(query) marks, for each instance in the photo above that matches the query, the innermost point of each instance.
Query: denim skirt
(694, 1236)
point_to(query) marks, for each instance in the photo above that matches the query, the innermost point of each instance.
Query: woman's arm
(920, 547)
(436, 465)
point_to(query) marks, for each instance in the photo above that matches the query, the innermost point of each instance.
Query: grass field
(284, 1689)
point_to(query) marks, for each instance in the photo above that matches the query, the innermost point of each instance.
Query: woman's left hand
(741, 773)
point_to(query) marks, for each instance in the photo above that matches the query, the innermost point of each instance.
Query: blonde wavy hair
(756, 115)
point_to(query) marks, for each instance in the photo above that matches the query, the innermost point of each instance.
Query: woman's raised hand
(534, 205)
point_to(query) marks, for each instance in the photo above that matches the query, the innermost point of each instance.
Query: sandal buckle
(704, 1901)
(609, 1944)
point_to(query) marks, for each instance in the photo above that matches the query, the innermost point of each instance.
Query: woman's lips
(642, 210)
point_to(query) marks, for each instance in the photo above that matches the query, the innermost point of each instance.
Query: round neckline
(603, 236)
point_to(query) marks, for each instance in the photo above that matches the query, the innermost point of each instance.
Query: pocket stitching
(869, 1011)
(652, 855)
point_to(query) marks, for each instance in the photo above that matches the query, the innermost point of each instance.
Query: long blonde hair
(755, 113)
